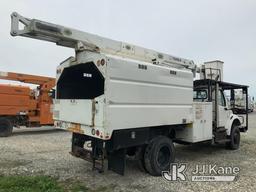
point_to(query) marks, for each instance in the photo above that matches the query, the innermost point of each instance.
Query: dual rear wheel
(6, 127)
(157, 156)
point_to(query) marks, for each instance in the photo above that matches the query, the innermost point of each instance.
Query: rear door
(74, 111)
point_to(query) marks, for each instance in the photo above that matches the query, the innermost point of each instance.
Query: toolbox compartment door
(74, 110)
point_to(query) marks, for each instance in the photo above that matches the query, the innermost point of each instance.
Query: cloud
(199, 30)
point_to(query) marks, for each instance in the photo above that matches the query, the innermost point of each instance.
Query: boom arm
(78, 40)
(46, 83)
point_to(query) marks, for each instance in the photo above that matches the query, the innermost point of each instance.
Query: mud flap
(116, 161)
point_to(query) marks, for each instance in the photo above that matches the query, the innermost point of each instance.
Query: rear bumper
(96, 132)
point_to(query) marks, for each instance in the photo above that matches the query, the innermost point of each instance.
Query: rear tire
(140, 156)
(6, 127)
(159, 154)
(234, 142)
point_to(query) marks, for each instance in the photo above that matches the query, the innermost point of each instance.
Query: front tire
(6, 127)
(234, 142)
(159, 154)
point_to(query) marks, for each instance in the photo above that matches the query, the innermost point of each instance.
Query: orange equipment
(23, 106)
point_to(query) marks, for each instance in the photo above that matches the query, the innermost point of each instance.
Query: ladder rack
(78, 40)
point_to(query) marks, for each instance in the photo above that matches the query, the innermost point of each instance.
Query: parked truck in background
(120, 99)
(251, 103)
(22, 105)
(240, 102)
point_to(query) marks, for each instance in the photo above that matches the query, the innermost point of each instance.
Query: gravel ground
(45, 151)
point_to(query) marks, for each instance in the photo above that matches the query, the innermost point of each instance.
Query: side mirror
(52, 93)
(225, 108)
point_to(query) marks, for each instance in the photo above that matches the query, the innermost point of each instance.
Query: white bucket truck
(120, 99)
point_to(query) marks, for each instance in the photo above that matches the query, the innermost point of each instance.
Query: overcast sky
(201, 30)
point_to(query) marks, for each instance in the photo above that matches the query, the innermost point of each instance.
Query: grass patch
(45, 184)
(29, 184)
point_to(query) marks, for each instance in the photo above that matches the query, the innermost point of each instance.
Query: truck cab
(202, 95)
(224, 117)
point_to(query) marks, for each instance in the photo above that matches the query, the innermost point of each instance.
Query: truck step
(220, 135)
(221, 129)
(222, 141)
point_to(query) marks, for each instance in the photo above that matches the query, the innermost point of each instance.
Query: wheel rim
(164, 156)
